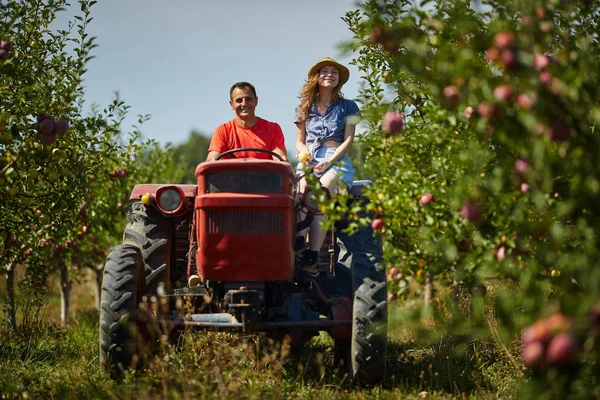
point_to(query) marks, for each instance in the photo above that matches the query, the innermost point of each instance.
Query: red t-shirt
(264, 135)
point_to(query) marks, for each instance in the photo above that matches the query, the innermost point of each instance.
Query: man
(246, 129)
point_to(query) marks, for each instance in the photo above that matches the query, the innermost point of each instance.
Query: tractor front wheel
(124, 338)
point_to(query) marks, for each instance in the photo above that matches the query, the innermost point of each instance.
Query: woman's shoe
(309, 261)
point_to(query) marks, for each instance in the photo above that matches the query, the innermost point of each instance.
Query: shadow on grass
(452, 365)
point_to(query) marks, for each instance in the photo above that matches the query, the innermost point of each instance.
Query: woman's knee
(331, 182)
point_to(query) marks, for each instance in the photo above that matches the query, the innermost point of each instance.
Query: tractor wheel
(149, 230)
(124, 333)
(369, 332)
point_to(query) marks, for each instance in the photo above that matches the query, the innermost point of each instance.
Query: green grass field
(46, 360)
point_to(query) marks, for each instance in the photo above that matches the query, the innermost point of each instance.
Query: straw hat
(344, 72)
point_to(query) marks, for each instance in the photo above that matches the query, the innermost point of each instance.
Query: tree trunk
(10, 292)
(98, 272)
(428, 292)
(65, 293)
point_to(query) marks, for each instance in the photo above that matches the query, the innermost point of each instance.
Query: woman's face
(329, 76)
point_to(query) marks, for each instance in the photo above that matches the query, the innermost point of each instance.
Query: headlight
(169, 199)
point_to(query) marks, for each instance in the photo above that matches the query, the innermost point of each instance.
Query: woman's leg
(301, 215)
(317, 234)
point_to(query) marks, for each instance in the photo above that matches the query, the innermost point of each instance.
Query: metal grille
(244, 221)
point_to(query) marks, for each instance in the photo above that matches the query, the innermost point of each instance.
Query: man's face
(243, 102)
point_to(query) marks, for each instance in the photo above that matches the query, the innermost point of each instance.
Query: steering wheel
(230, 152)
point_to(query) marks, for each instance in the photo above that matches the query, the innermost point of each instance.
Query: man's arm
(212, 155)
(217, 143)
(278, 144)
(280, 152)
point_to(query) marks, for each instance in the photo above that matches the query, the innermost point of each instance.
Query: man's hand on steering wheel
(233, 151)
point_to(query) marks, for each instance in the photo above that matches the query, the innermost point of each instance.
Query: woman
(325, 124)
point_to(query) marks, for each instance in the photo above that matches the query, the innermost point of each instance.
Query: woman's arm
(301, 141)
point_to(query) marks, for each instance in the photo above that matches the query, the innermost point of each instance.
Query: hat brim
(344, 72)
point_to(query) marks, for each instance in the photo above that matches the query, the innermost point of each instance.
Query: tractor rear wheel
(369, 332)
(152, 232)
(124, 339)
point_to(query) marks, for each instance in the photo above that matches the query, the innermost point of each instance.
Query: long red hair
(310, 92)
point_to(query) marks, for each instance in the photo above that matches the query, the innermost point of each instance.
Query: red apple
(391, 296)
(472, 212)
(501, 253)
(545, 77)
(479, 290)
(377, 224)
(492, 54)
(524, 101)
(5, 45)
(451, 96)
(546, 26)
(504, 40)
(393, 271)
(393, 122)
(524, 187)
(469, 111)
(385, 38)
(558, 323)
(532, 354)
(503, 93)
(61, 127)
(527, 20)
(509, 58)
(426, 198)
(48, 139)
(487, 109)
(522, 166)
(540, 12)
(46, 127)
(399, 276)
(562, 349)
(559, 131)
(538, 332)
(540, 62)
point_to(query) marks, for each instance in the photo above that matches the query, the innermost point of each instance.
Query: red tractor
(226, 247)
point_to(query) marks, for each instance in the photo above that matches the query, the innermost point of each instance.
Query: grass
(49, 361)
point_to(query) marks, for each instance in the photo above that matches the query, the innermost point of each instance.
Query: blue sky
(177, 59)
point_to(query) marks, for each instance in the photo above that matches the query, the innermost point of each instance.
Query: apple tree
(55, 160)
(481, 139)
